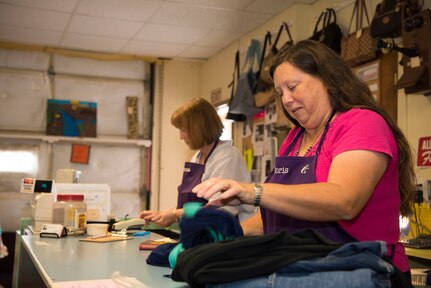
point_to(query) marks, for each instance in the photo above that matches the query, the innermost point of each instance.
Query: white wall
(414, 111)
(417, 124)
(25, 82)
(181, 81)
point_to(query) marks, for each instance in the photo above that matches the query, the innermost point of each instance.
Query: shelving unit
(87, 140)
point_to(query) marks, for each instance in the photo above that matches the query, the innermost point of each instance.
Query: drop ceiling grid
(160, 28)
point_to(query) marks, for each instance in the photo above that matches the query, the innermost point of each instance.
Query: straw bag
(358, 47)
(269, 58)
(264, 90)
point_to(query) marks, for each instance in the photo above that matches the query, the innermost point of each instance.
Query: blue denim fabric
(350, 256)
(356, 264)
(360, 278)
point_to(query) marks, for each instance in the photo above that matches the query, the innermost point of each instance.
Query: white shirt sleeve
(227, 162)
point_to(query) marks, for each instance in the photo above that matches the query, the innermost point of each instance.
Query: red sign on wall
(424, 152)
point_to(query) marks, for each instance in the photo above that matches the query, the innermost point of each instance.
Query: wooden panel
(388, 78)
(381, 76)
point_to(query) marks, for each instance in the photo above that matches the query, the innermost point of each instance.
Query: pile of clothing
(213, 252)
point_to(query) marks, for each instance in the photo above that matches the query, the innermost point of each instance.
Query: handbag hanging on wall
(264, 90)
(358, 47)
(269, 58)
(330, 33)
(235, 77)
(242, 102)
(388, 17)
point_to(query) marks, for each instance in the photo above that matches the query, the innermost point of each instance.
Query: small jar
(70, 211)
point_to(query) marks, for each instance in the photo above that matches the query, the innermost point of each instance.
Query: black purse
(235, 76)
(330, 33)
(242, 102)
(388, 17)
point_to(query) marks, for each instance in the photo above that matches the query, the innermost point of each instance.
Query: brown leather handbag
(269, 58)
(358, 47)
(264, 90)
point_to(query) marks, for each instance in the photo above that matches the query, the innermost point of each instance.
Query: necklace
(309, 147)
(317, 136)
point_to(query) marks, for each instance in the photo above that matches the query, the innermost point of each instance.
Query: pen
(141, 233)
(98, 236)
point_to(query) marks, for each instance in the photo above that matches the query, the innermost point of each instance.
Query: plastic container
(95, 229)
(70, 211)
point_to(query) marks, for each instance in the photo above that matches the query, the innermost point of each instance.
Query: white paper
(104, 283)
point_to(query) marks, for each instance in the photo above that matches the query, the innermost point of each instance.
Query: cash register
(422, 241)
(41, 208)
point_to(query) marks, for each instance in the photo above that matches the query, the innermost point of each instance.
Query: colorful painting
(71, 118)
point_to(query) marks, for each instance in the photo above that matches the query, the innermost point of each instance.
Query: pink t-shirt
(362, 129)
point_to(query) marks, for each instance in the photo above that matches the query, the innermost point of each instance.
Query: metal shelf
(118, 140)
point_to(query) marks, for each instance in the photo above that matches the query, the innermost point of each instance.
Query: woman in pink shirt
(345, 169)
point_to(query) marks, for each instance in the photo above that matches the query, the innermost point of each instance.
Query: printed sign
(424, 152)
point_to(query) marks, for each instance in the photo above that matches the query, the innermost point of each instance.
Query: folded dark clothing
(206, 226)
(248, 257)
(160, 255)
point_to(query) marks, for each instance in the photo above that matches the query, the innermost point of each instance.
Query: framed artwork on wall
(80, 153)
(71, 118)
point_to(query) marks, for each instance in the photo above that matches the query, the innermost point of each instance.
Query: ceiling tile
(270, 6)
(171, 34)
(227, 4)
(92, 43)
(244, 22)
(53, 5)
(103, 26)
(29, 36)
(33, 18)
(219, 38)
(154, 48)
(198, 52)
(132, 10)
(185, 15)
(156, 28)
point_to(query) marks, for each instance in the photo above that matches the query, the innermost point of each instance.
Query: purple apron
(192, 176)
(299, 170)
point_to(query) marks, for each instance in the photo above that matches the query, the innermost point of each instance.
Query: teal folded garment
(200, 225)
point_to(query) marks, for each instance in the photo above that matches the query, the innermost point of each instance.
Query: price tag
(415, 62)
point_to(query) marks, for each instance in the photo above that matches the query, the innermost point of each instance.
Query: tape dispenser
(53, 231)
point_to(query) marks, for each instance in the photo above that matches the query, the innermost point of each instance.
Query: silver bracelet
(175, 214)
(257, 188)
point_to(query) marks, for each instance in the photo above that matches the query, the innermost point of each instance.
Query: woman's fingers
(230, 191)
(147, 215)
(212, 186)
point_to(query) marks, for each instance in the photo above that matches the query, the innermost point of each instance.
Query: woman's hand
(161, 218)
(232, 193)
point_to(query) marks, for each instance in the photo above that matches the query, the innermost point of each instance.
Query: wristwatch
(257, 188)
